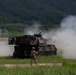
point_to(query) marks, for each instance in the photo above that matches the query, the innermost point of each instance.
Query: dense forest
(26, 12)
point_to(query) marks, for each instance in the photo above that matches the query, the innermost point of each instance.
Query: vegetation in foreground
(40, 59)
(66, 69)
(39, 70)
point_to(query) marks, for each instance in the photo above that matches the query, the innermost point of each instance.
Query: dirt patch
(3, 39)
(28, 65)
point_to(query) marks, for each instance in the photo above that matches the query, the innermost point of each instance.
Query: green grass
(68, 67)
(40, 59)
(39, 70)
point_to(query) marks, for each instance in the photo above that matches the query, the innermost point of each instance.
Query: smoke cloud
(32, 29)
(5, 49)
(64, 38)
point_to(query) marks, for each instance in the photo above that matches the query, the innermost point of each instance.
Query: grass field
(40, 59)
(68, 67)
(39, 70)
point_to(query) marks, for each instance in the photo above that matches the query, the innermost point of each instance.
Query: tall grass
(39, 70)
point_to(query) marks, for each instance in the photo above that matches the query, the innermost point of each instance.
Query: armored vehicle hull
(24, 44)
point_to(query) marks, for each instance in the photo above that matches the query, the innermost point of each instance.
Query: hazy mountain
(44, 11)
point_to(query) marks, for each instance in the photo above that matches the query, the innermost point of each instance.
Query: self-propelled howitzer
(23, 45)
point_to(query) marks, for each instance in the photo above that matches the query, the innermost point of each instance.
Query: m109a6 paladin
(23, 45)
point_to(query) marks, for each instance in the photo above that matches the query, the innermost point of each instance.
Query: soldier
(33, 55)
